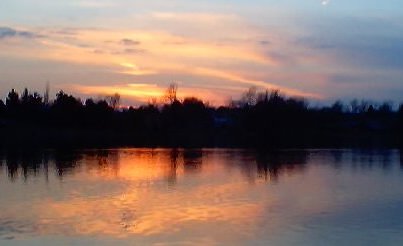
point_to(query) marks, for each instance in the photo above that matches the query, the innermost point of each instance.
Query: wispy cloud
(8, 32)
(129, 42)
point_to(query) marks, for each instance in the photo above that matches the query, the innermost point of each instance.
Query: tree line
(258, 119)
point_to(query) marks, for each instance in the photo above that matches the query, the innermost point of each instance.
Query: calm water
(201, 197)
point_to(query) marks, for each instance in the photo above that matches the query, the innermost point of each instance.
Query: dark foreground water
(201, 197)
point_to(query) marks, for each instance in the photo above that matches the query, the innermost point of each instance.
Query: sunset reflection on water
(197, 197)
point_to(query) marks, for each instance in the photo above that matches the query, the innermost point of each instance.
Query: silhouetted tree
(359, 107)
(195, 114)
(337, 107)
(113, 101)
(25, 96)
(89, 103)
(31, 101)
(385, 108)
(13, 99)
(193, 103)
(250, 97)
(170, 94)
(46, 94)
(263, 97)
(354, 106)
(2, 108)
(66, 102)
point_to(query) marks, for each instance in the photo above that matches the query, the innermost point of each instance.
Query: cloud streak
(129, 42)
(8, 32)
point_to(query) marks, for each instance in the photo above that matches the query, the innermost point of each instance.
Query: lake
(201, 197)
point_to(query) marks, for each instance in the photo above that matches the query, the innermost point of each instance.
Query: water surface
(201, 197)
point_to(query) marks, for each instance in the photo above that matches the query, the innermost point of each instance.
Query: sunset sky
(215, 50)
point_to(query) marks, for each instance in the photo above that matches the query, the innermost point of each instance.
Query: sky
(322, 50)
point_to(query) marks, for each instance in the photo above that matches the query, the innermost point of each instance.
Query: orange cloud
(236, 59)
